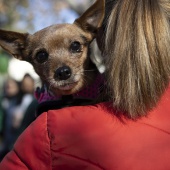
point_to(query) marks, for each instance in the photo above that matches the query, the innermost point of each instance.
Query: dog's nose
(63, 73)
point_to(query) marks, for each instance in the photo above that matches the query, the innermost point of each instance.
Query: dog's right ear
(93, 17)
(14, 43)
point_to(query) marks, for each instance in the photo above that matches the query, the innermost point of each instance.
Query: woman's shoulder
(55, 119)
(77, 119)
(77, 113)
(48, 128)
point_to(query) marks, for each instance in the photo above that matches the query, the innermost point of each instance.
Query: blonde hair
(137, 54)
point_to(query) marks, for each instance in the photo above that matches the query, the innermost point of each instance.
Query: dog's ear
(93, 17)
(14, 43)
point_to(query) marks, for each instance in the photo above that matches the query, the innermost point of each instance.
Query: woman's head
(137, 53)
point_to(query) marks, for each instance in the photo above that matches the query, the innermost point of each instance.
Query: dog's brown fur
(51, 49)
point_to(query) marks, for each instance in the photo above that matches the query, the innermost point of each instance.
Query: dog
(60, 54)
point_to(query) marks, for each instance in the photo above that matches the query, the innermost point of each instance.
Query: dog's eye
(41, 56)
(75, 47)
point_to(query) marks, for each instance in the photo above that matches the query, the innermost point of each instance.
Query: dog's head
(59, 53)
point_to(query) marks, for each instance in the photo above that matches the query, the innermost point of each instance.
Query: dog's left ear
(14, 43)
(93, 17)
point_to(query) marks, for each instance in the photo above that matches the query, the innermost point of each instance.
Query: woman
(132, 130)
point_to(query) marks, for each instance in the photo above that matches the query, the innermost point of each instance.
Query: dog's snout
(63, 73)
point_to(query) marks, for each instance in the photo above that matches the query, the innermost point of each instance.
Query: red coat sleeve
(32, 149)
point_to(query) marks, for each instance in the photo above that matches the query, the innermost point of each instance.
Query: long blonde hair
(137, 53)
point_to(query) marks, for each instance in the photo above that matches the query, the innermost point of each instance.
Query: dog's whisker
(89, 70)
(87, 77)
(85, 82)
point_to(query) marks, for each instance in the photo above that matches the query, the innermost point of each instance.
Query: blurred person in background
(1, 118)
(25, 112)
(11, 97)
(19, 112)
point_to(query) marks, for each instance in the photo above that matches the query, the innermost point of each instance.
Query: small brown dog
(60, 53)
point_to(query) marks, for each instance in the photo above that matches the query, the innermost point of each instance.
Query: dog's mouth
(67, 86)
(64, 87)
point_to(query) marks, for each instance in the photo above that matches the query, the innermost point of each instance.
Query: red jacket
(92, 138)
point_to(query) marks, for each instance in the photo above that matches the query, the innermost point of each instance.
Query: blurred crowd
(17, 110)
